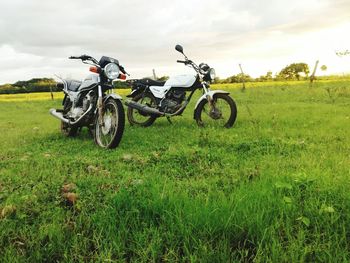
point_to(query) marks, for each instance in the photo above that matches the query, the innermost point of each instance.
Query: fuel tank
(184, 80)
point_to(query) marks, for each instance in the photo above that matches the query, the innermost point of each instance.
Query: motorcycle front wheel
(222, 113)
(135, 117)
(109, 127)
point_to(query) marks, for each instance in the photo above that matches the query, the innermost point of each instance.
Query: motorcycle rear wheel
(135, 117)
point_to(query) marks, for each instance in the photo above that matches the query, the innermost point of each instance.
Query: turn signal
(94, 69)
(122, 76)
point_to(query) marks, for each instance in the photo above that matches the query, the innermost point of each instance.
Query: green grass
(273, 188)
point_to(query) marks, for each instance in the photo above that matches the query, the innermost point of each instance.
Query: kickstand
(169, 120)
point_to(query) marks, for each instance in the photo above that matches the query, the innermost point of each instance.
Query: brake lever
(85, 57)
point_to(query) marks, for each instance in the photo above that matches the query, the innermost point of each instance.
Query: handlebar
(191, 63)
(82, 57)
(122, 69)
(87, 57)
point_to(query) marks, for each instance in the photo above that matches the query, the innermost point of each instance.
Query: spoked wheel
(109, 127)
(223, 112)
(135, 117)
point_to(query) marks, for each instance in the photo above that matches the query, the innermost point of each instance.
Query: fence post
(312, 77)
(243, 78)
(51, 92)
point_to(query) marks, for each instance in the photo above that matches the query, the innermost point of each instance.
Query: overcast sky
(36, 36)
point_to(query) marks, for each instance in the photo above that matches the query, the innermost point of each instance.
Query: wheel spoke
(219, 115)
(138, 117)
(106, 133)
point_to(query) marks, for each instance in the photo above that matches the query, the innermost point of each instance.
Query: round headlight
(112, 71)
(212, 73)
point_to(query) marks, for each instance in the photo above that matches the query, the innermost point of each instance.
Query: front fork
(100, 105)
(206, 92)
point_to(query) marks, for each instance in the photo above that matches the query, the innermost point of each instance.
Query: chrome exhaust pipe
(143, 108)
(59, 115)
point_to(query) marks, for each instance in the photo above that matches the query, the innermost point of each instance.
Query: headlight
(111, 71)
(212, 73)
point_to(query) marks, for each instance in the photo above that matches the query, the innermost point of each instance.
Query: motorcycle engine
(86, 102)
(173, 100)
(77, 111)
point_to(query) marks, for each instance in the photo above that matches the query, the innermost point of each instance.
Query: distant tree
(244, 77)
(293, 71)
(217, 80)
(267, 77)
(232, 79)
(323, 67)
(33, 85)
(237, 78)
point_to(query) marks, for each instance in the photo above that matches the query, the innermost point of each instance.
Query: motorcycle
(90, 103)
(151, 99)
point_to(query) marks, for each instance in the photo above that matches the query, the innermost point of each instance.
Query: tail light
(94, 69)
(122, 76)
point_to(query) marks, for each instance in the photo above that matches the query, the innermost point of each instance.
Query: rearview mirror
(179, 48)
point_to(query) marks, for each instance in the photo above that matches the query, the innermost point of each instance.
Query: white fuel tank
(185, 81)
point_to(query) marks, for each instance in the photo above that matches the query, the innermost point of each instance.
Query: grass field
(273, 188)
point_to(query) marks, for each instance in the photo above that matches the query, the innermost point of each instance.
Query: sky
(37, 37)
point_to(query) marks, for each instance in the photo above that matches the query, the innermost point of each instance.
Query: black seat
(151, 82)
(73, 85)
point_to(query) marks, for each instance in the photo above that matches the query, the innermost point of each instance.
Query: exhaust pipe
(59, 115)
(143, 108)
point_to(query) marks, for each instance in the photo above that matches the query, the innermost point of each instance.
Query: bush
(33, 85)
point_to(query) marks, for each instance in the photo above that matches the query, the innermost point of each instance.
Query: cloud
(38, 36)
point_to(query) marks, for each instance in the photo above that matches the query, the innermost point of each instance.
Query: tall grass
(273, 188)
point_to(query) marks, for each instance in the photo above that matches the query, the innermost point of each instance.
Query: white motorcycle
(152, 99)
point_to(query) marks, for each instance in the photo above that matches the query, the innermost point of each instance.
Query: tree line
(295, 71)
(40, 85)
(33, 85)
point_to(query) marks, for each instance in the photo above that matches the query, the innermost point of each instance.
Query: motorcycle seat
(151, 82)
(73, 85)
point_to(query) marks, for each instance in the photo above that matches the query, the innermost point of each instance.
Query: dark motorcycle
(90, 103)
(152, 99)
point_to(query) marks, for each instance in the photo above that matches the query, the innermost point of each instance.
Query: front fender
(113, 96)
(210, 94)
